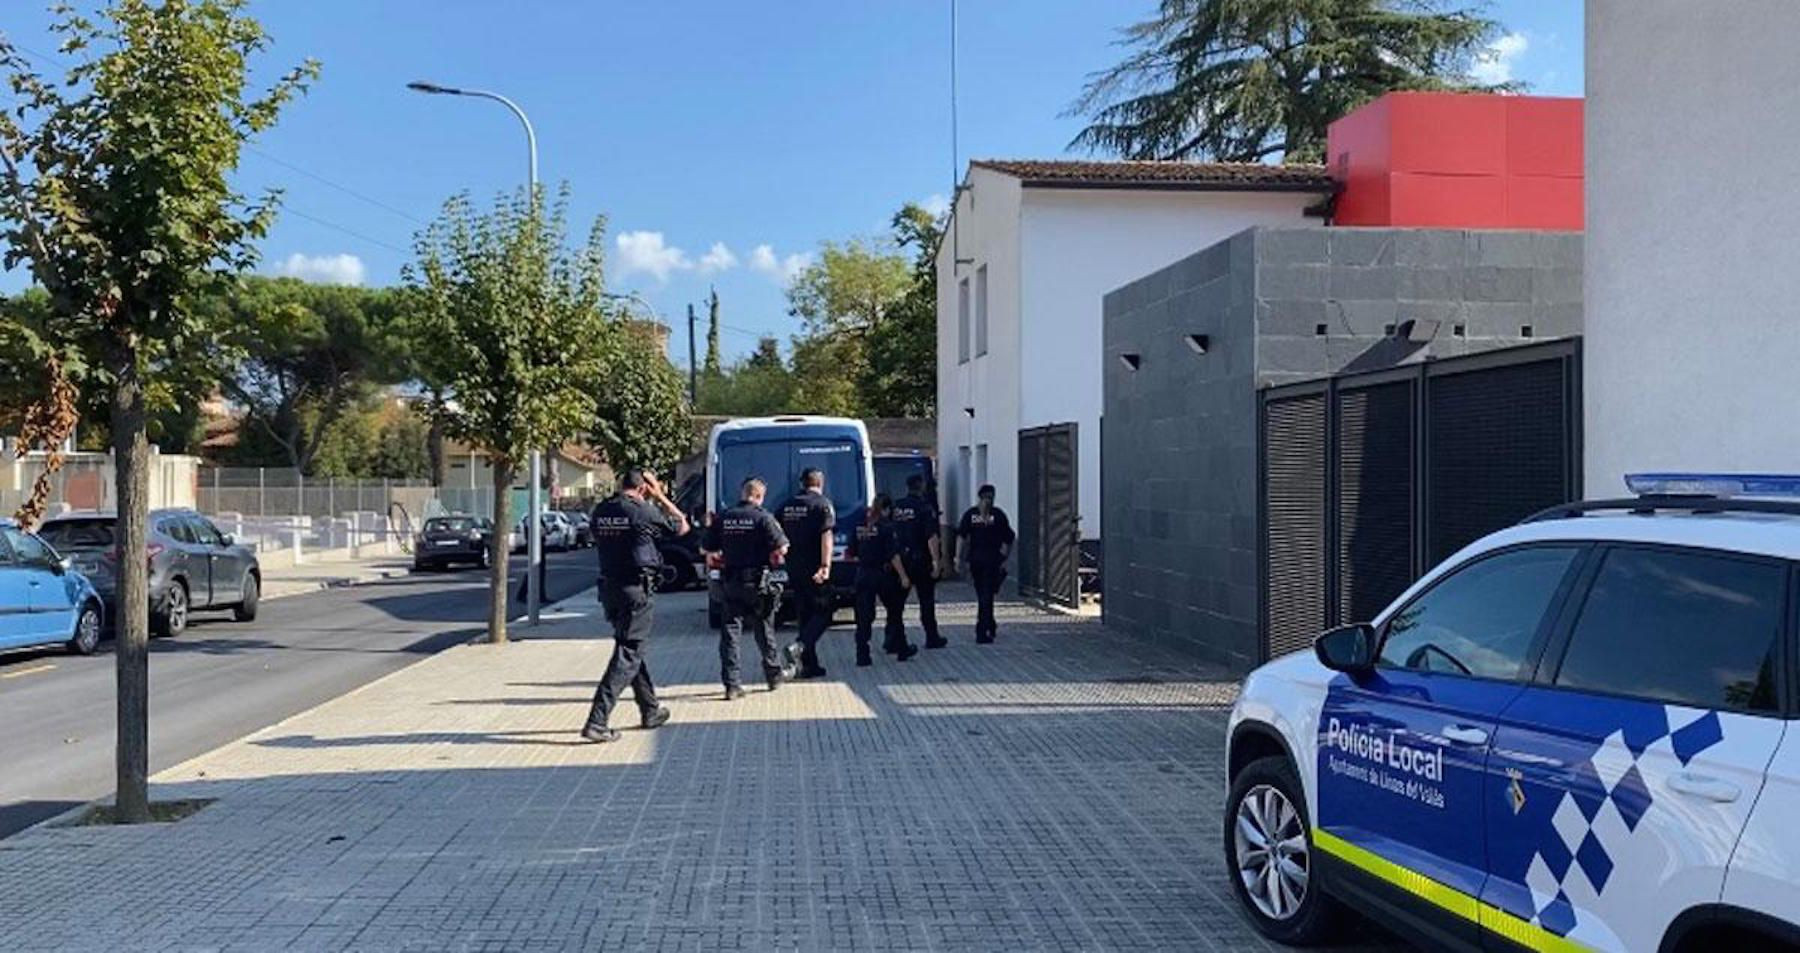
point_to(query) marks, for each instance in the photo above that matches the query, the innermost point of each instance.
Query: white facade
(1692, 273)
(1049, 256)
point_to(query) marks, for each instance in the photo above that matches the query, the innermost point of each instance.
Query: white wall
(1075, 247)
(1692, 273)
(987, 233)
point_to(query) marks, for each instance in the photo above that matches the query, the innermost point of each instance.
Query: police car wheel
(1268, 853)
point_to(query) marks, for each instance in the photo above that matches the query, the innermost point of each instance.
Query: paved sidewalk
(313, 576)
(1055, 791)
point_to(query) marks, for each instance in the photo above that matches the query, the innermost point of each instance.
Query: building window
(981, 311)
(981, 470)
(962, 492)
(962, 321)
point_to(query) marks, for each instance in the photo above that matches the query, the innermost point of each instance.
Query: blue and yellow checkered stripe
(1487, 916)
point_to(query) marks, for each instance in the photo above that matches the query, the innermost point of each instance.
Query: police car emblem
(1514, 792)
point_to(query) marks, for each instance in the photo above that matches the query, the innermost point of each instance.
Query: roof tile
(1194, 175)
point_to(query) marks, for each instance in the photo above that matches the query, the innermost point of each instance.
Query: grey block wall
(1178, 449)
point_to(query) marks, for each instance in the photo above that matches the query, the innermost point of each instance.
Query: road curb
(341, 582)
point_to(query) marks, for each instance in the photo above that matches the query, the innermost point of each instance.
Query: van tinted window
(1683, 627)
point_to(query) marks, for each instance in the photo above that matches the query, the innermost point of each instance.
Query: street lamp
(534, 530)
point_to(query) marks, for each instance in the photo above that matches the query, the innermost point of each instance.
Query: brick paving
(1056, 791)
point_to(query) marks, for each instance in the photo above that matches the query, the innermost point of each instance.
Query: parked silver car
(192, 565)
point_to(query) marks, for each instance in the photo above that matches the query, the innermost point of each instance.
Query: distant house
(1031, 248)
(574, 471)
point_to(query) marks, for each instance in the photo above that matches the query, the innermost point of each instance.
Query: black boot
(907, 651)
(862, 657)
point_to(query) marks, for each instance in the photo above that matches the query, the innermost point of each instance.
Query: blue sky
(756, 128)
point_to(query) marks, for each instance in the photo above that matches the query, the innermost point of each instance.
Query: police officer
(880, 576)
(916, 525)
(987, 539)
(809, 521)
(626, 528)
(745, 541)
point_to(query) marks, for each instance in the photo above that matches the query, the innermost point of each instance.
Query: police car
(1573, 734)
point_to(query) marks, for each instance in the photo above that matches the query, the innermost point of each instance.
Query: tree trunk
(131, 476)
(503, 477)
(434, 448)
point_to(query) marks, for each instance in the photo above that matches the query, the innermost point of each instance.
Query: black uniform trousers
(812, 615)
(924, 583)
(628, 607)
(745, 603)
(878, 586)
(987, 578)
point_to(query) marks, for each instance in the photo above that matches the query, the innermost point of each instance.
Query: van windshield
(779, 463)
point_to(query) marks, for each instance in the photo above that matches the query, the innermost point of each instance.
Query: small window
(176, 530)
(962, 321)
(205, 532)
(981, 466)
(981, 311)
(1683, 627)
(31, 550)
(1481, 619)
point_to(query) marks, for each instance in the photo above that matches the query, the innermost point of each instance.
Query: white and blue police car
(1573, 734)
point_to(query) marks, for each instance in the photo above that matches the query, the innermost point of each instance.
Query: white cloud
(936, 204)
(717, 258)
(325, 269)
(647, 252)
(783, 268)
(1494, 65)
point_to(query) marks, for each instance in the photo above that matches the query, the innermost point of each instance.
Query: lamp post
(534, 530)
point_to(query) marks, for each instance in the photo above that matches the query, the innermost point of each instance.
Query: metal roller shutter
(1375, 498)
(1294, 522)
(1499, 440)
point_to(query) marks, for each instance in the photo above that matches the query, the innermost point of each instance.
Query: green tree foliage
(378, 438)
(712, 335)
(1246, 80)
(759, 385)
(641, 418)
(519, 345)
(115, 194)
(902, 374)
(312, 353)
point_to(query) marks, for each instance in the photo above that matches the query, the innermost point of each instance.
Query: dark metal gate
(1049, 556)
(1370, 479)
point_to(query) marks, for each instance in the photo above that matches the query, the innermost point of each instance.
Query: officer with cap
(916, 524)
(626, 528)
(987, 539)
(809, 520)
(880, 576)
(745, 542)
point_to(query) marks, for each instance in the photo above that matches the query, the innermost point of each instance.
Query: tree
(712, 334)
(902, 375)
(311, 354)
(641, 418)
(850, 288)
(114, 190)
(518, 343)
(1245, 80)
(759, 385)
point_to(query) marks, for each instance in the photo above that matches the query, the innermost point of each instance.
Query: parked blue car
(42, 600)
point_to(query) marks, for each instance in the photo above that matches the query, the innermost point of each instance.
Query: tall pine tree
(712, 334)
(1247, 80)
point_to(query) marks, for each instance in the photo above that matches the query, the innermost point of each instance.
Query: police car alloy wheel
(1268, 855)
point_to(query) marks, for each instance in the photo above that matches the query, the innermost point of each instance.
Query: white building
(1031, 248)
(1692, 272)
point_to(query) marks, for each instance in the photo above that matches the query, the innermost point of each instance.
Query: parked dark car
(193, 566)
(42, 600)
(446, 540)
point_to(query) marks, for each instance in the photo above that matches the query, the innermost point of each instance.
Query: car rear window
(78, 534)
(449, 525)
(1684, 627)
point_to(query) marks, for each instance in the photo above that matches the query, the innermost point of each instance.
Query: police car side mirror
(1349, 648)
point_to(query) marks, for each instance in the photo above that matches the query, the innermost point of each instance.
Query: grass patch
(161, 812)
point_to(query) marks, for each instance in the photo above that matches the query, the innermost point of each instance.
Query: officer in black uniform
(809, 520)
(987, 539)
(880, 576)
(626, 528)
(916, 525)
(746, 542)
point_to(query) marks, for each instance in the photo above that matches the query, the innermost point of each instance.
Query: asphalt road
(222, 679)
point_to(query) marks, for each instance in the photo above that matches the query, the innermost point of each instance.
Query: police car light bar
(1718, 485)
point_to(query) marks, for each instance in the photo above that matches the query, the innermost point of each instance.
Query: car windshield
(778, 464)
(76, 534)
(461, 524)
